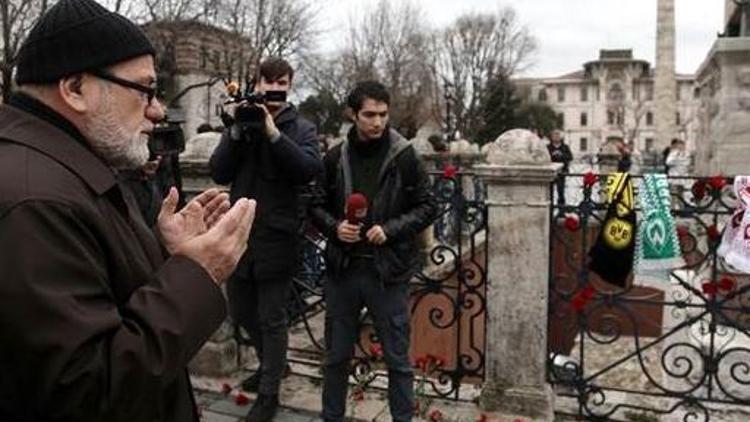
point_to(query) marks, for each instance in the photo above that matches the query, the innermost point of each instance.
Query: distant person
(665, 153)
(559, 152)
(625, 161)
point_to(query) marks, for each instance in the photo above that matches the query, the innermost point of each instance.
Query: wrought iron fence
(679, 348)
(448, 296)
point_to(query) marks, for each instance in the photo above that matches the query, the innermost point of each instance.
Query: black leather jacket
(404, 206)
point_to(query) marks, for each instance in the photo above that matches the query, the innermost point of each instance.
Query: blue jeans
(356, 287)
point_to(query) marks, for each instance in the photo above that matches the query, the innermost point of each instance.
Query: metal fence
(677, 350)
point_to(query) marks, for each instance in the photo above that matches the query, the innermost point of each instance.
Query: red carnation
(578, 302)
(588, 292)
(436, 416)
(717, 182)
(589, 179)
(226, 389)
(713, 233)
(699, 189)
(709, 288)
(376, 350)
(450, 171)
(683, 231)
(572, 223)
(726, 284)
(241, 400)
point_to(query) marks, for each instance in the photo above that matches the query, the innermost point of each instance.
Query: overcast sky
(570, 32)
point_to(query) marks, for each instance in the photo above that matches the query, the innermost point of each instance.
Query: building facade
(612, 98)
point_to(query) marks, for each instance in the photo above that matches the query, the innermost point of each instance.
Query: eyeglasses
(148, 91)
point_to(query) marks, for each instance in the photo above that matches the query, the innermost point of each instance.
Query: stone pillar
(724, 80)
(518, 176)
(665, 84)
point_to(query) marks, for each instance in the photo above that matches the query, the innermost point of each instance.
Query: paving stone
(286, 415)
(228, 407)
(218, 417)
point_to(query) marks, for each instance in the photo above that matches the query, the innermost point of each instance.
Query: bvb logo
(618, 233)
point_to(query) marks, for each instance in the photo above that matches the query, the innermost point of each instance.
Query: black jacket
(273, 173)
(404, 206)
(560, 154)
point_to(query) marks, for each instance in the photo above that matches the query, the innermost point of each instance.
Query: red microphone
(356, 208)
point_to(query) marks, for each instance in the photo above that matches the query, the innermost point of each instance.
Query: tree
(498, 109)
(325, 111)
(476, 49)
(537, 116)
(17, 17)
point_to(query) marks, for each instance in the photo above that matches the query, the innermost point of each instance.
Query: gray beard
(112, 143)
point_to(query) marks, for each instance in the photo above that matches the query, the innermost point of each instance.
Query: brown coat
(94, 324)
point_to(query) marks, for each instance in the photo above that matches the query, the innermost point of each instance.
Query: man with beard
(99, 318)
(370, 263)
(270, 159)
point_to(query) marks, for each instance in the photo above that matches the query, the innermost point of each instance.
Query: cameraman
(269, 160)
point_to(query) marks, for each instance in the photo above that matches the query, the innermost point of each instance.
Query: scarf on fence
(657, 245)
(611, 257)
(735, 243)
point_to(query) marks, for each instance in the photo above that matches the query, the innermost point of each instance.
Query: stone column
(665, 84)
(518, 176)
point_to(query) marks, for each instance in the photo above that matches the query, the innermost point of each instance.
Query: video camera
(248, 116)
(167, 138)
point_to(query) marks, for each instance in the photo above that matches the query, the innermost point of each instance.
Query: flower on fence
(727, 284)
(226, 389)
(581, 298)
(589, 179)
(436, 416)
(376, 351)
(717, 182)
(683, 231)
(241, 400)
(713, 233)
(699, 189)
(572, 223)
(450, 171)
(709, 288)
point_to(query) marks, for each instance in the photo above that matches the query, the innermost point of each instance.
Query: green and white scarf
(657, 246)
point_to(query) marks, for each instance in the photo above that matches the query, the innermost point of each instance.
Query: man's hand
(269, 125)
(219, 249)
(376, 235)
(348, 233)
(198, 216)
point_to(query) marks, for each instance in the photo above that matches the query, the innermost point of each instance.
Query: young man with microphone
(375, 199)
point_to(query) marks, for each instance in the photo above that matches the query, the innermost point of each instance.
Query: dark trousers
(260, 307)
(560, 185)
(345, 297)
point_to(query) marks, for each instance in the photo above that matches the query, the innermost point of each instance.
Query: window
(677, 118)
(649, 144)
(584, 119)
(543, 95)
(560, 94)
(584, 94)
(649, 92)
(561, 120)
(649, 119)
(583, 145)
(620, 118)
(696, 93)
(678, 93)
(610, 117)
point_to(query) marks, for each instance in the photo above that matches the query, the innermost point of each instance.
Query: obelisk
(665, 84)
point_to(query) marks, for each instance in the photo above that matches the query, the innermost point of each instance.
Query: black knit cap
(75, 36)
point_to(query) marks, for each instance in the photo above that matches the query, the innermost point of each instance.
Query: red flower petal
(709, 288)
(713, 233)
(699, 189)
(241, 400)
(578, 302)
(450, 171)
(683, 231)
(717, 182)
(572, 223)
(588, 292)
(436, 416)
(727, 284)
(589, 179)
(376, 351)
